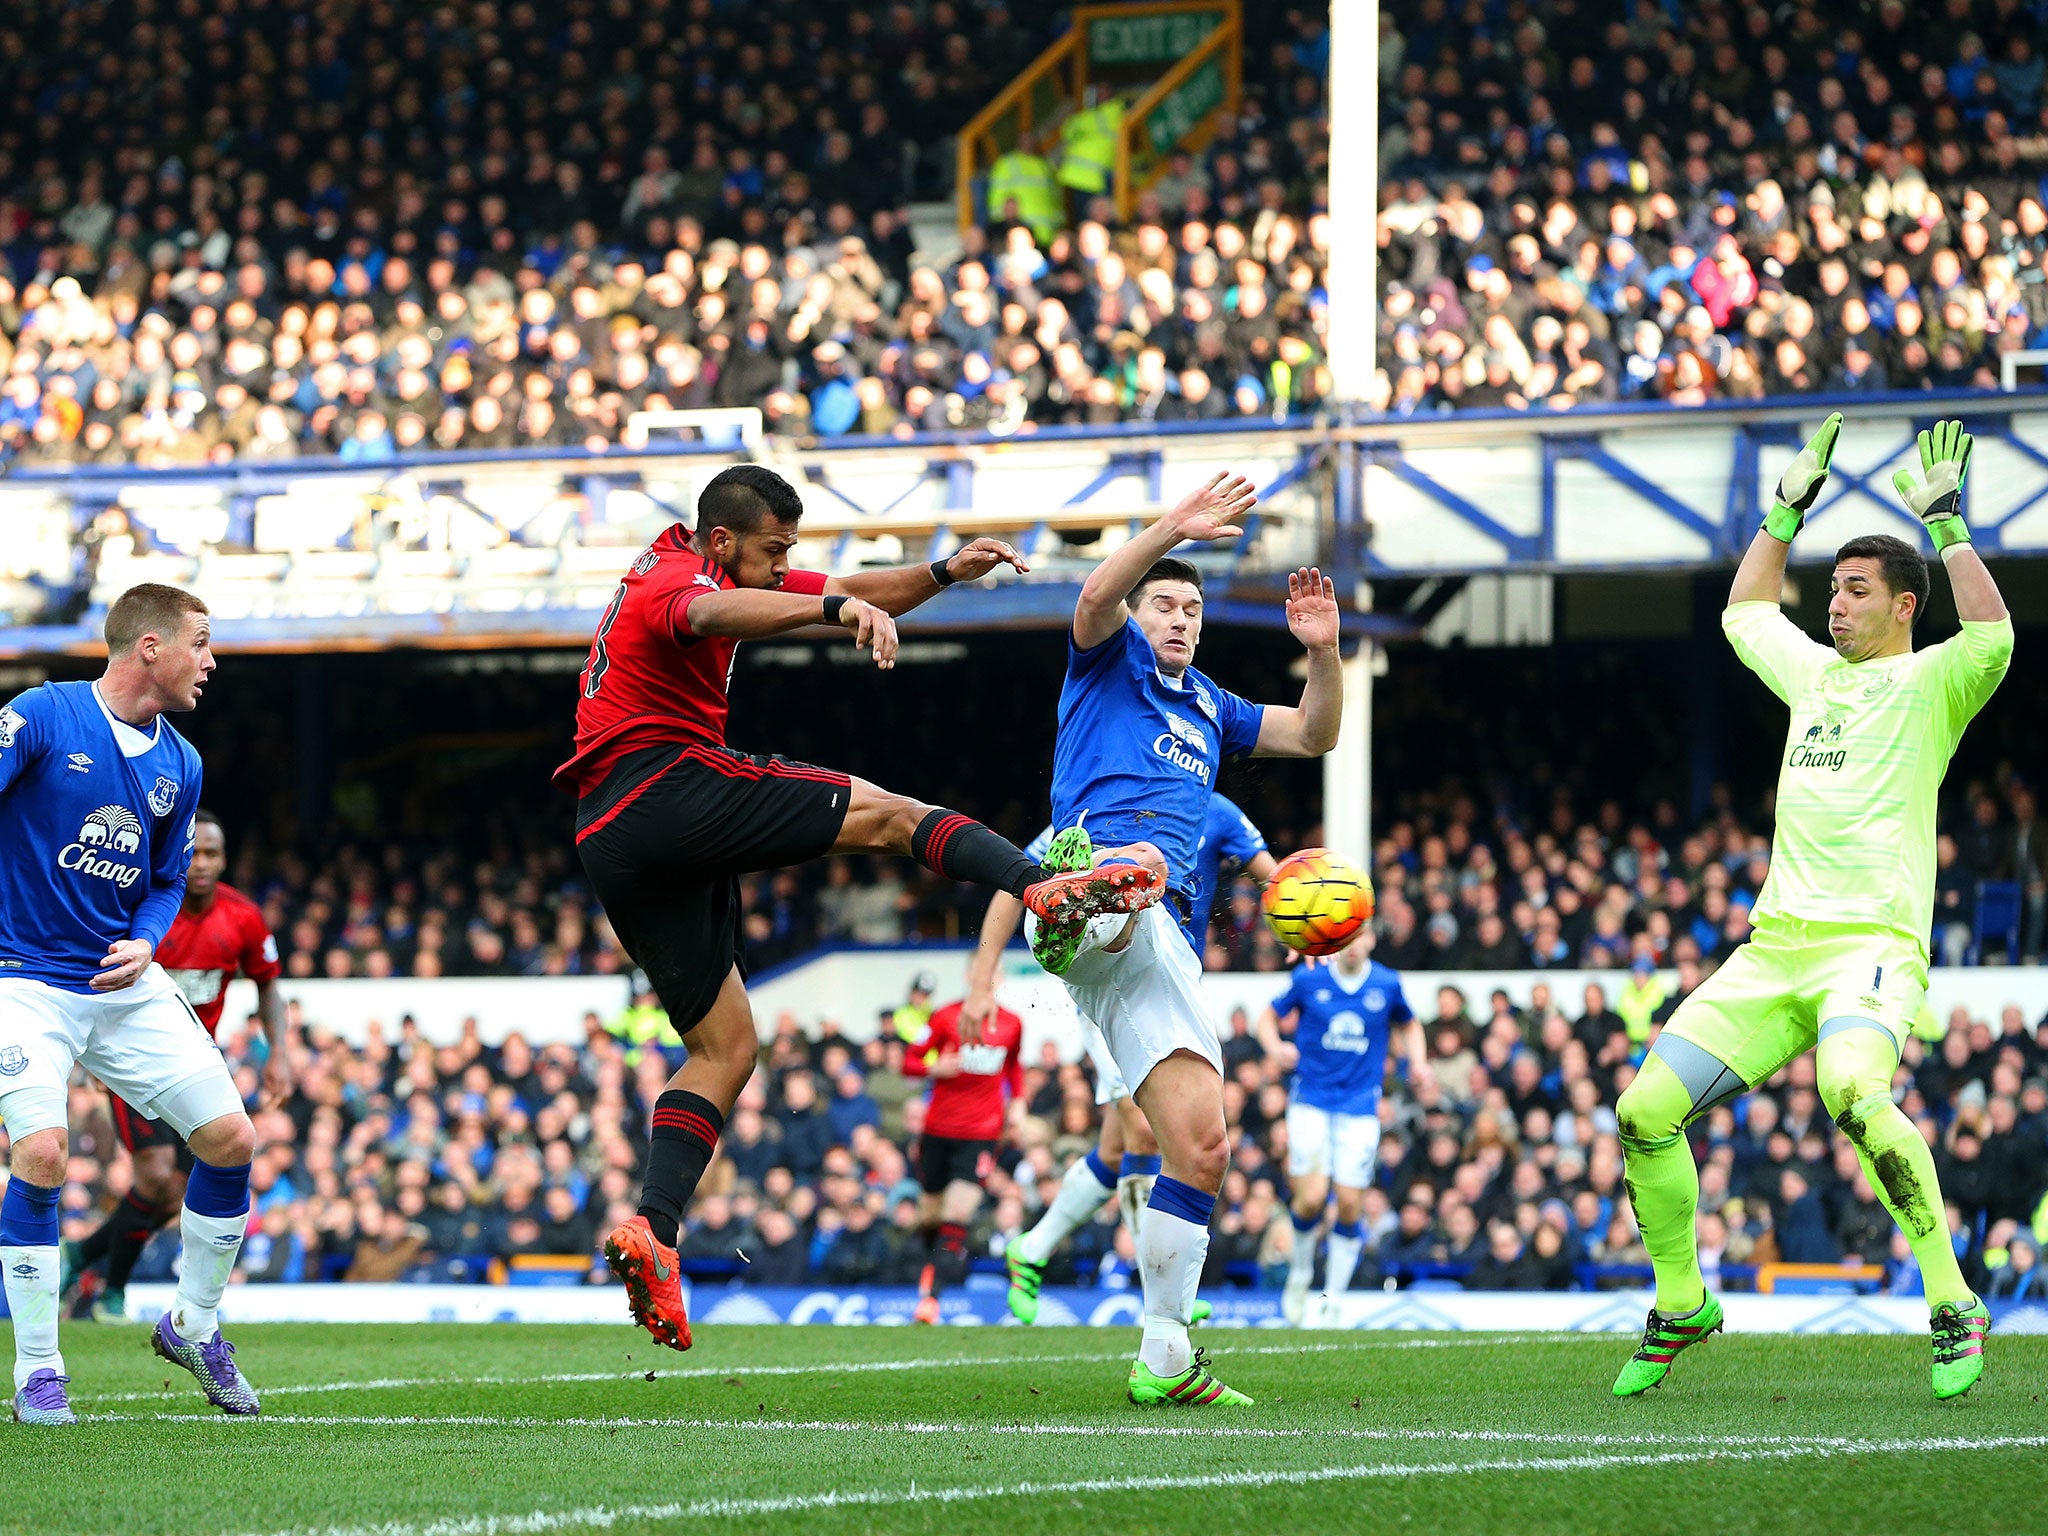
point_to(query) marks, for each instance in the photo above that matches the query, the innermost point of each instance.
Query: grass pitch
(423, 1430)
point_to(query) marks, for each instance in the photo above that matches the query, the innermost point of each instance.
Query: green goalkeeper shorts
(1770, 1000)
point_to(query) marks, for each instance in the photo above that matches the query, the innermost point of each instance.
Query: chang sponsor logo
(1821, 746)
(112, 829)
(1184, 745)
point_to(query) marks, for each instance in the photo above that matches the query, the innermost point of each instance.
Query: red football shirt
(969, 1105)
(649, 680)
(204, 953)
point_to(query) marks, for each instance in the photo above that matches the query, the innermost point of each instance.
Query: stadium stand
(293, 235)
(256, 243)
(470, 1162)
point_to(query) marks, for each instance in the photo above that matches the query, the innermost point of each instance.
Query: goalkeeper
(1838, 961)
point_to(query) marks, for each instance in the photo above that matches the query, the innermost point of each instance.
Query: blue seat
(2000, 905)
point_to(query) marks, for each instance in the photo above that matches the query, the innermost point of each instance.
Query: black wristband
(833, 605)
(941, 575)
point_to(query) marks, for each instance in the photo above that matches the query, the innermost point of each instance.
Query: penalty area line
(604, 1515)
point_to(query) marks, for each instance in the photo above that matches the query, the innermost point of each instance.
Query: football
(1317, 901)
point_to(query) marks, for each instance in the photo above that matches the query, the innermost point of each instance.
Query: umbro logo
(80, 763)
(26, 1270)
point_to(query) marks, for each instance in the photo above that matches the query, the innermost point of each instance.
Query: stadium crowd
(1527, 892)
(1499, 1167)
(272, 236)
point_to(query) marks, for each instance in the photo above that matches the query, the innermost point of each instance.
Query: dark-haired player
(1142, 735)
(1837, 964)
(218, 934)
(974, 1074)
(668, 817)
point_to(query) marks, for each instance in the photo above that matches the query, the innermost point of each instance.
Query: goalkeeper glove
(1928, 1025)
(1800, 485)
(1935, 495)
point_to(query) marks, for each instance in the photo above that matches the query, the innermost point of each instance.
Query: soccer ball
(1317, 901)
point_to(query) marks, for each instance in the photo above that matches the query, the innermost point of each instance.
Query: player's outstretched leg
(1853, 1068)
(961, 848)
(1183, 1100)
(1664, 1189)
(28, 1252)
(212, 1223)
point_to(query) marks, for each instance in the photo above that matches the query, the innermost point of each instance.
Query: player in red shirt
(218, 934)
(972, 1084)
(668, 817)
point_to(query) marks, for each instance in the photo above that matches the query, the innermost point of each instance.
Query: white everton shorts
(1340, 1148)
(1109, 1082)
(144, 1042)
(1146, 998)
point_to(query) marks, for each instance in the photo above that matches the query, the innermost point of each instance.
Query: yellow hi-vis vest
(1088, 146)
(1028, 181)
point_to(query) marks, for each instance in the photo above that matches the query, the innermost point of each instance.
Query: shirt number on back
(600, 660)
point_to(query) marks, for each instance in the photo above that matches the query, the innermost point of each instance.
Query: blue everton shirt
(1137, 753)
(96, 816)
(1227, 834)
(1341, 1029)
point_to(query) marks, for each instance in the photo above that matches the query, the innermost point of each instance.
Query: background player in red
(218, 934)
(972, 1084)
(668, 817)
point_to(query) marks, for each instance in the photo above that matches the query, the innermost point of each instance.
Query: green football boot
(1199, 1313)
(1054, 945)
(1958, 1347)
(1193, 1387)
(1663, 1338)
(1025, 1279)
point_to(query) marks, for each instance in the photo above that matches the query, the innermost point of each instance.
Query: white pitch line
(832, 1367)
(1818, 1443)
(605, 1515)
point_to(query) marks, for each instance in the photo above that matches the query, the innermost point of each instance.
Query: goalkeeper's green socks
(1854, 1072)
(1663, 1182)
(1900, 1168)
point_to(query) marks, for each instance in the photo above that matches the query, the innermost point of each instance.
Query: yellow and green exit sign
(1162, 39)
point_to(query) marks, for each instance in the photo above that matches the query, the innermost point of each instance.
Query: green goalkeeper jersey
(1862, 766)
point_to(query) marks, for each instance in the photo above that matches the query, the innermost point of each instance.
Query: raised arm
(901, 588)
(1977, 596)
(753, 613)
(1935, 496)
(1207, 514)
(1309, 729)
(998, 927)
(1761, 576)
